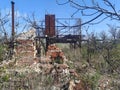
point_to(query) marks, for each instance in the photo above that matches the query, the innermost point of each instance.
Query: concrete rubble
(53, 64)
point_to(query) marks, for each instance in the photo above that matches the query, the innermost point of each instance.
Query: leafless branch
(107, 9)
(3, 21)
(57, 1)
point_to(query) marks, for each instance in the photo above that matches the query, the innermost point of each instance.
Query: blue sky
(42, 7)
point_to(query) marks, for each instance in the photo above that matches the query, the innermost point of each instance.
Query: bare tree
(103, 36)
(118, 34)
(33, 22)
(78, 29)
(101, 9)
(113, 31)
(39, 27)
(4, 20)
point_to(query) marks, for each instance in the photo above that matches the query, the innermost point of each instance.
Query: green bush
(2, 52)
(5, 78)
(92, 80)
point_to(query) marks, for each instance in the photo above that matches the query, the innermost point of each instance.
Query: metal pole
(13, 32)
(12, 20)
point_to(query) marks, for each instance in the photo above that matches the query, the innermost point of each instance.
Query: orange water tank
(50, 25)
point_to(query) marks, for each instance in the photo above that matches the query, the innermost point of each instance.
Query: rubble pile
(55, 54)
(55, 65)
